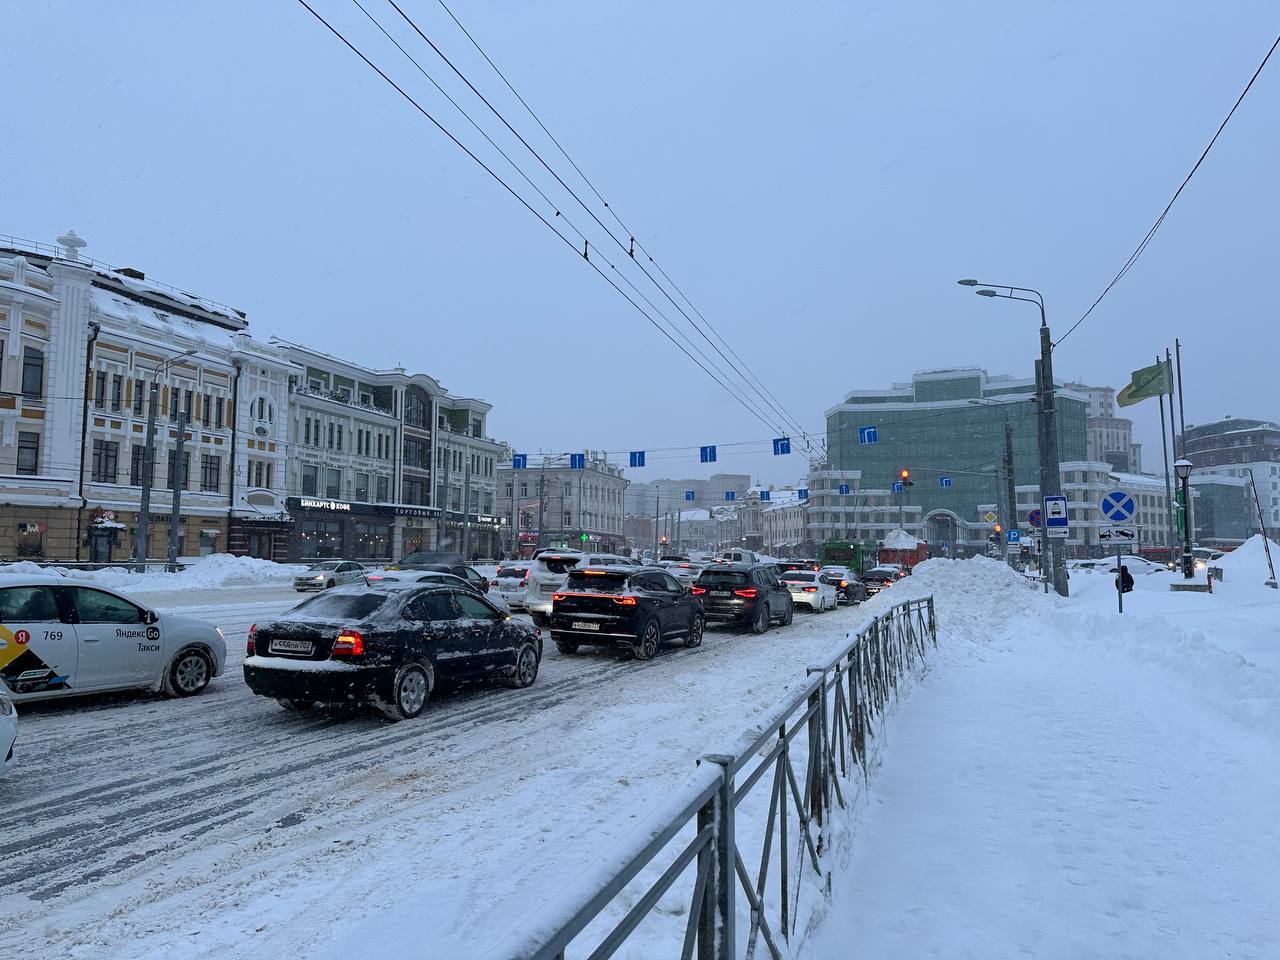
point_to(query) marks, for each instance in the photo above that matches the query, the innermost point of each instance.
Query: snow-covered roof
(127, 312)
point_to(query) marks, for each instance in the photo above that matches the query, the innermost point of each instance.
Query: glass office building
(947, 428)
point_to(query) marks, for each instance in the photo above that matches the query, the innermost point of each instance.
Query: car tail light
(253, 631)
(749, 593)
(843, 584)
(810, 589)
(525, 578)
(816, 569)
(625, 601)
(695, 590)
(557, 597)
(537, 631)
(349, 643)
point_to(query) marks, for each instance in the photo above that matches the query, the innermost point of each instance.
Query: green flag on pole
(1152, 381)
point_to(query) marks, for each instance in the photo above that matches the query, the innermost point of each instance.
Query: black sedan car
(849, 589)
(745, 593)
(390, 645)
(632, 608)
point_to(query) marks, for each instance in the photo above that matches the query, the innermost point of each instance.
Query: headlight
(6, 706)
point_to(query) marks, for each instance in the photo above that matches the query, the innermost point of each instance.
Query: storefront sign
(307, 503)
(405, 511)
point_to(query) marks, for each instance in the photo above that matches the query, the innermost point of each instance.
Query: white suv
(550, 570)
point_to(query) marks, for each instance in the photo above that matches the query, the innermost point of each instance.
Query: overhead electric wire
(1133, 257)
(523, 202)
(773, 404)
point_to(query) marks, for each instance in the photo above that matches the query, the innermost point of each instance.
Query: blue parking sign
(897, 486)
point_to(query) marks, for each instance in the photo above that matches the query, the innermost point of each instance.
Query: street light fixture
(1182, 468)
(1047, 433)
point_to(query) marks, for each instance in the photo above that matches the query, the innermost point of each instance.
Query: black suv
(634, 609)
(745, 593)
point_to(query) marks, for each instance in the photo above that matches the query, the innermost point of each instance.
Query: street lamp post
(1047, 434)
(140, 542)
(1183, 468)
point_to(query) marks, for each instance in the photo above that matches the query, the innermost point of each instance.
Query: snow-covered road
(224, 825)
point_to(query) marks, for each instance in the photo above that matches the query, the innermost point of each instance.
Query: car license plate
(291, 646)
(584, 625)
(722, 593)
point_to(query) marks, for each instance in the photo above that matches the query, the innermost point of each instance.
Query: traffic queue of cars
(390, 638)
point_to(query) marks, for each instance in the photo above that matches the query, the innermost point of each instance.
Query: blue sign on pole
(781, 446)
(844, 489)
(897, 486)
(1014, 536)
(689, 495)
(1117, 507)
(944, 482)
(577, 461)
(730, 495)
(519, 461)
(1056, 519)
(707, 454)
(764, 496)
(637, 458)
(868, 435)
(803, 492)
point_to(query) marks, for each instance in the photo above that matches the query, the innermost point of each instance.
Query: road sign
(1056, 520)
(897, 486)
(637, 458)
(1120, 535)
(989, 517)
(519, 461)
(1117, 507)
(803, 493)
(1012, 548)
(868, 435)
(944, 482)
(1014, 537)
(730, 495)
(844, 489)
(690, 495)
(764, 496)
(781, 446)
(1039, 546)
(577, 461)
(707, 454)
(1035, 518)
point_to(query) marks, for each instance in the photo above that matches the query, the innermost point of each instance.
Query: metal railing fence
(826, 730)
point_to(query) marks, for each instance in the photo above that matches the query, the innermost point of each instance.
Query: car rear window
(798, 575)
(591, 581)
(559, 564)
(342, 606)
(723, 576)
(512, 571)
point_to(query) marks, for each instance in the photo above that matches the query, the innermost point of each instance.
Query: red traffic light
(906, 474)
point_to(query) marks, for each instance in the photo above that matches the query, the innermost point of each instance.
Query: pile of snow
(1249, 558)
(899, 540)
(207, 573)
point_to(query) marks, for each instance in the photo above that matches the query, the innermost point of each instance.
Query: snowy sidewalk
(1041, 797)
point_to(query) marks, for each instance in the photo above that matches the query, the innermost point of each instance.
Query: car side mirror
(150, 616)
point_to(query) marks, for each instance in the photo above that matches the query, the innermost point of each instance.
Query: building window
(204, 409)
(321, 538)
(309, 472)
(100, 389)
(415, 408)
(476, 429)
(210, 473)
(117, 392)
(306, 431)
(380, 447)
(217, 412)
(362, 487)
(524, 488)
(137, 461)
(257, 473)
(105, 455)
(28, 453)
(415, 492)
(32, 372)
(186, 470)
(331, 436)
(139, 388)
(372, 541)
(383, 486)
(188, 399)
(333, 484)
(339, 438)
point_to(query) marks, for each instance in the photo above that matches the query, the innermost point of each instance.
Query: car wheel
(410, 690)
(189, 673)
(298, 705)
(695, 632)
(540, 619)
(329, 585)
(789, 615)
(567, 647)
(646, 647)
(761, 623)
(526, 670)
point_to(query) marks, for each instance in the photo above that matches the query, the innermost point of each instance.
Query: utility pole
(178, 482)
(515, 513)
(1262, 525)
(148, 470)
(657, 499)
(1011, 495)
(1164, 444)
(542, 496)
(1050, 472)
(466, 508)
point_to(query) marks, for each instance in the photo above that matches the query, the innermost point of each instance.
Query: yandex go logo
(22, 637)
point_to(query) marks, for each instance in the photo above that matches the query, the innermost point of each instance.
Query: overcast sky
(814, 176)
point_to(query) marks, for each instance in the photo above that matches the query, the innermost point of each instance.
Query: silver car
(328, 573)
(510, 580)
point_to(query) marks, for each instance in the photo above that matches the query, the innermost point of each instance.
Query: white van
(63, 637)
(550, 570)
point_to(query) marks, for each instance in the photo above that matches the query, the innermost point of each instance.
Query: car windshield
(341, 606)
(727, 577)
(558, 564)
(328, 565)
(596, 581)
(797, 576)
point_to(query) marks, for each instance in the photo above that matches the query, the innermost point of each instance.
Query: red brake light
(697, 590)
(525, 578)
(810, 589)
(252, 633)
(749, 593)
(349, 643)
(816, 568)
(625, 601)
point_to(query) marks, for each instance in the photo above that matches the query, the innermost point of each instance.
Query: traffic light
(662, 540)
(905, 476)
(998, 529)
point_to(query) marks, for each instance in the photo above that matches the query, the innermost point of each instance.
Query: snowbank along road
(195, 827)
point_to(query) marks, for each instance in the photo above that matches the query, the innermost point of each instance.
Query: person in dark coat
(1124, 579)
